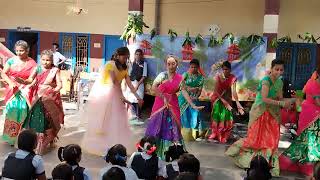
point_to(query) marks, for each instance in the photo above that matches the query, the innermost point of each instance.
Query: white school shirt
(37, 160)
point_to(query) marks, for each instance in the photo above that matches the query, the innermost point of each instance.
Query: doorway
(30, 37)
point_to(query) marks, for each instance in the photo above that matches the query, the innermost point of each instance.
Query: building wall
(297, 17)
(103, 17)
(241, 17)
(47, 38)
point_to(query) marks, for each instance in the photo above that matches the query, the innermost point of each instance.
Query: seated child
(189, 163)
(259, 169)
(24, 163)
(117, 157)
(171, 170)
(71, 154)
(114, 173)
(62, 171)
(145, 162)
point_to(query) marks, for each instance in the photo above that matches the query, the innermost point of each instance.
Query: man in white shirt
(58, 59)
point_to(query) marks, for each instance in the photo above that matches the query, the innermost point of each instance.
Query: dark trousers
(135, 110)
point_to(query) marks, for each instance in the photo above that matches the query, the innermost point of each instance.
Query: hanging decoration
(77, 8)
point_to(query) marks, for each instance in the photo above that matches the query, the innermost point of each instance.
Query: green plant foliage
(199, 40)
(248, 44)
(173, 34)
(229, 36)
(157, 49)
(134, 27)
(153, 33)
(214, 41)
(285, 39)
(188, 40)
(308, 37)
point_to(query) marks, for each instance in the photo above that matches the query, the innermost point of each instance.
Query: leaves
(308, 37)
(153, 33)
(213, 41)
(274, 43)
(188, 40)
(173, 34)
(134, 27)
(285, 39)
(199, 40)
(229, 36)
(255, 39)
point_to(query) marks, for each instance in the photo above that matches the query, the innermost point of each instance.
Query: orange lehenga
(264, 130)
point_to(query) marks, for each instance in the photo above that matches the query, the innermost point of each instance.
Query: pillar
(270, 26)
(135, 6)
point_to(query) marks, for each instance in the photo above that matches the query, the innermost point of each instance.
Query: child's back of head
(71, 154)
(174, 152)
(62, 171)
(147, 145)
(117, 155)
(259, 169)
(145, 163)
(27, 140)
(186, 176)
(114, 173)
(189, 163)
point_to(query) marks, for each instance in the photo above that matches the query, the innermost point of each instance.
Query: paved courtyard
(211, 155)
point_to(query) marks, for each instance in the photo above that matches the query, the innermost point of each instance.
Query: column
(270, 26)
(135, 6)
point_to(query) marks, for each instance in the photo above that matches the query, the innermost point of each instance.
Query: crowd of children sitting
(144, 164)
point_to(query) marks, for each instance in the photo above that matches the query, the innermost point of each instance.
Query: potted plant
(134, 27)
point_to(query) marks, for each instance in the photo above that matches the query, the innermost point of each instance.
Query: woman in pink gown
(105, 112)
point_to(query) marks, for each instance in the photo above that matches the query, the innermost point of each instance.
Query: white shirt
(145, 156)
(37, 160)
(129, 173)
(57, 57)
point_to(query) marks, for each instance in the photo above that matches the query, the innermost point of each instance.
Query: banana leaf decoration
(153, 33)
(173, 34)
(199, 40)
(134, 27)
(229, 36)
(213, 41)
(255, 39)
(285, 39)
(188, 40)
(308, 37)
(274, 43)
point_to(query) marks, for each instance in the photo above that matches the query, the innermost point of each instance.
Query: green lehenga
(306, 148)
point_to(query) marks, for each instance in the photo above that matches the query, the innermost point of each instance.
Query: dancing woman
(105, 112)
(164, 122)
(18, 96)
(264, 123)
(304, 151)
